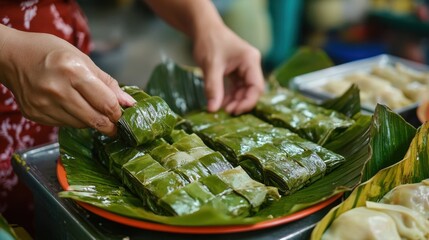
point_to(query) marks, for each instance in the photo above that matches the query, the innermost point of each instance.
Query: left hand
(221, 53)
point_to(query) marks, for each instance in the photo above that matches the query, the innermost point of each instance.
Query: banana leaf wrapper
(209, 164)
(286, 171)
(272, 155)
(330, 158)
(283, 108)
(169, 156)
(233, 184)
(193, 145)
(195, 196)
(100, 141)
(147, 120)
(210, 125)
(200, 120)
(215, 162)
(140, 172)
(193, 171)
(166, 174)
(117, 154)
(135, 92)
(255, 192)
(233, 144)
(75, 146)
(187, 200)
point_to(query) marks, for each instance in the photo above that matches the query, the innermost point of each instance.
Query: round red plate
(62, 178)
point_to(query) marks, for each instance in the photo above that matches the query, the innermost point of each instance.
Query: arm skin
(219, 52)
(56, 84)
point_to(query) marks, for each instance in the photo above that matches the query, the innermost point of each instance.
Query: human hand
(221, 53)
(56, 84)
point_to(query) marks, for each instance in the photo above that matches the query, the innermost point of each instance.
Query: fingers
(124, 98)
(213, 86)
(247, 87)
(52, 115)
(99, 94)
(250, 91)
(80, 108)
(247, 101)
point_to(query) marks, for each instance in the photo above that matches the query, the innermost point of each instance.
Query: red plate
(62, 178)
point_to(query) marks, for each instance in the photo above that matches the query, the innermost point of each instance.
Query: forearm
(5, 33)
(192, 17)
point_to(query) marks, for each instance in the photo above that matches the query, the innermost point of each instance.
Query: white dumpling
(414, 196)
(378, 90)
(409, 223)
(362, 223)
(392, 75)
(416, 91)
(421, 76)
(336, 87)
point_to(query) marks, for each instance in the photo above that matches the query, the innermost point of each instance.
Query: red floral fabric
(64, 19)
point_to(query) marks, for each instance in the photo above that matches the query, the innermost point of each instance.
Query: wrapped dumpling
(409, 223)
(420, 76)
(150, 118)
(414, 196)
(362, 223)
(379, 221)
(391, 74)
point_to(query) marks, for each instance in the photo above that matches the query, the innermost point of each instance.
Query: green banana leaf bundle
(179, 176)
(400, 156)
(91, 183)
(284, 108)
(272, 155)
(147, 120)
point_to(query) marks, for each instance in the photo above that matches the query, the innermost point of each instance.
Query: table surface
(38, 172)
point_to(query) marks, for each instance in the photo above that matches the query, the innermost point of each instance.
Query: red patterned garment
(64, 19)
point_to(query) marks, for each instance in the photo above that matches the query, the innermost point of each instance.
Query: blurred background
(129, 40)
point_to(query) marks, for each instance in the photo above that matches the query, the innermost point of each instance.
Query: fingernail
(130, 100)
(211, 105)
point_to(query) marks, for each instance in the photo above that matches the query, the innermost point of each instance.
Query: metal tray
(310, 84)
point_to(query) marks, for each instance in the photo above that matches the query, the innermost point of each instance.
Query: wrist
(204, 20)
(6, 34)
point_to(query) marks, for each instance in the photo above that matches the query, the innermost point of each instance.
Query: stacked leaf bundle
(182, 175)
(284, 108)
(272, 155)
(177, 174)
(150, 118)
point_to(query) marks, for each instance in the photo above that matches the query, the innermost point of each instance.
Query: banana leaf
(304, 60)
(271, 155)
(109, 194)
(147, 120)
(284, 108)
(411, 167)
(122, 202)
(135, 92)
(182, 89)
(347, 104)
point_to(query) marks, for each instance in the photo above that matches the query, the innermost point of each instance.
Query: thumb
(213, 86)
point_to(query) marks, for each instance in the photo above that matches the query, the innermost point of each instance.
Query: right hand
(56, 84)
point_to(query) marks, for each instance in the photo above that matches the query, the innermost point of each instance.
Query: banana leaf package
(214, 191)
(272, 155)
(147, 120)
(174, 176)
(284, 108)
